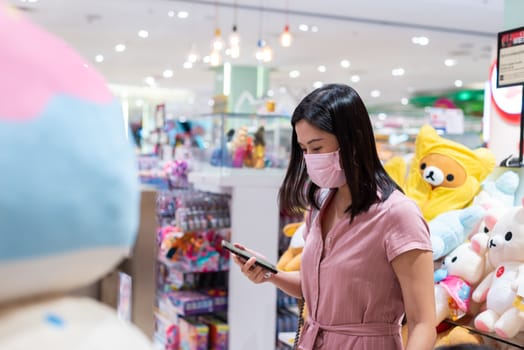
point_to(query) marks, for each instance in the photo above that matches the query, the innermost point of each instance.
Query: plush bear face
(465, 263)
(506, 243)
(440, 170)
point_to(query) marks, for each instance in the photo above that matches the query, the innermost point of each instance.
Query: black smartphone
(244, 254)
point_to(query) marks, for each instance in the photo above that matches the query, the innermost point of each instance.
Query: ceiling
(374, 35)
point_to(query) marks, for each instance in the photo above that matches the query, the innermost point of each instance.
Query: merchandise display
(192, 265)
(244, 140)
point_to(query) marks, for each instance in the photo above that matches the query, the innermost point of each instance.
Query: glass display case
(396, 132)
(228, 140)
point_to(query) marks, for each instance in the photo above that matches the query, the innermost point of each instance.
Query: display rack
(254, 223)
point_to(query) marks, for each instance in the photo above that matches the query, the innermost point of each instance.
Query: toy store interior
(112, 238)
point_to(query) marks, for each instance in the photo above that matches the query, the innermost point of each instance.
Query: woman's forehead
(308, 133)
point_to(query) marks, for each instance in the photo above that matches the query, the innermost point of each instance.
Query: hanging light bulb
(234, 38)
(259, 54)
(234, 43)
(218, 42)
(286, 38)
(235, 51)
(267, 52)
(215, 58)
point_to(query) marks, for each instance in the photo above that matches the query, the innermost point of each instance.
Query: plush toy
(443, 175)
(291, 258)
(505, 252)
(260, 148)
(499, 193)
(69, 195)
(461, 270)
(449, 229)
(238, 147)
(458, 336)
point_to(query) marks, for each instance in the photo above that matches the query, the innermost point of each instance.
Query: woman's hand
(255, 273)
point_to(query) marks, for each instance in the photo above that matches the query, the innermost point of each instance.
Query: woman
(367, 246)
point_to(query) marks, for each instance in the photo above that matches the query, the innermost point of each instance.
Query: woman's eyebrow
(314, 140)
(310, 141)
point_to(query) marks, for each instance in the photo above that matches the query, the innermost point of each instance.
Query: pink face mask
(324, 169)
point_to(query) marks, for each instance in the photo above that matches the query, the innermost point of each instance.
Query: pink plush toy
(505, 252)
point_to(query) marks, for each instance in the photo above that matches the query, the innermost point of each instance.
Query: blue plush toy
(448, 230)
(499, 192)
(69, 195)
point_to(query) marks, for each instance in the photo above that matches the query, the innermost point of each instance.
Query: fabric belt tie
(312, 329)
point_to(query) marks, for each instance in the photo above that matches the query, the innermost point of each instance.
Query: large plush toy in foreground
(443, 175)
(68, 195)
(499, 289)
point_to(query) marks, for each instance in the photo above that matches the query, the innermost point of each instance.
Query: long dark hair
(339, 110)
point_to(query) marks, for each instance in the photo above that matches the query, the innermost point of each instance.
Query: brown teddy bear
(443, 175)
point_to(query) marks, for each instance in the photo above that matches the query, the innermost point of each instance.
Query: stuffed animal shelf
(69, 195)
(505, 252)
(443, 175)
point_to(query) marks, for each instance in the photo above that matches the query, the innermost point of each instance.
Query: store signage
(510, 57)
(510, 72)
(507, 101)
(448, 120)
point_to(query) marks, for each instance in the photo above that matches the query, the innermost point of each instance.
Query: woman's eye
(317, 149)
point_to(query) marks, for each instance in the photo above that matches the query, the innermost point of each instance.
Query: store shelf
(222, 180)
(286, 340)
(467, 323)
(254, 223)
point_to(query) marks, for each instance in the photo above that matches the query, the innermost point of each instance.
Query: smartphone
(244, 254)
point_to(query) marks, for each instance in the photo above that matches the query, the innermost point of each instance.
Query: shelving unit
(491, 339)
(254, 223)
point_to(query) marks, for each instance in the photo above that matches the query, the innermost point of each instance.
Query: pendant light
(264, 52)
(215, 58)
(286, 38)
(234, 37)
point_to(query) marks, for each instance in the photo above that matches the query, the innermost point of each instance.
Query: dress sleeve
(407, 230)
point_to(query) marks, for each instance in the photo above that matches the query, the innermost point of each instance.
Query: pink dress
(353, 296)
